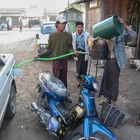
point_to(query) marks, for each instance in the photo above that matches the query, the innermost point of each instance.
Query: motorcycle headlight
(96, 87)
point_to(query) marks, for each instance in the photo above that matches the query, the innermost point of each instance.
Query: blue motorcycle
(64, 122)
(91, 127)
(52, 108)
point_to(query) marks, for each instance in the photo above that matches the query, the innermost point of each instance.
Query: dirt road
(25, 125)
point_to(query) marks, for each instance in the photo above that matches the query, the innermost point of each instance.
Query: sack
(132, 42)
(111, 116)
(99, 50)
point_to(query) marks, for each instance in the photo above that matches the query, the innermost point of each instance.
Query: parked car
(7, 87)
(43, 36)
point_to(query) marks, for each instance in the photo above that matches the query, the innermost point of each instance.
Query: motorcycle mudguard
(98, 127)
(91, 127)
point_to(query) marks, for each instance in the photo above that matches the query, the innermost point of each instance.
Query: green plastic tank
(108, 28)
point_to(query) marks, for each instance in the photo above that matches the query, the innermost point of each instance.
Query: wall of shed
(105, 9)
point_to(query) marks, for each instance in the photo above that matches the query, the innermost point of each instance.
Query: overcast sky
(50, 5)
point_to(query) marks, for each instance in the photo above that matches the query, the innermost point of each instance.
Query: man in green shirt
(59, 43)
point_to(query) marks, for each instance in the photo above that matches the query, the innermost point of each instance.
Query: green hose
(45, 59)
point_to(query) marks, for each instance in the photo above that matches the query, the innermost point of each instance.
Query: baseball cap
(60, 19)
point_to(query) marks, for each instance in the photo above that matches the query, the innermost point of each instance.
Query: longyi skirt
(110, 80)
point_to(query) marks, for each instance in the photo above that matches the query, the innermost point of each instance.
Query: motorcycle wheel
(97, 136)
(101, 136)
(79, 136)
(76, 136)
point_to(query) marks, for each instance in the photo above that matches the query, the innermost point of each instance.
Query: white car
(43, 36)
(7, 87)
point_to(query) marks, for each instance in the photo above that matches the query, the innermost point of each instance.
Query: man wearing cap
(59, 43)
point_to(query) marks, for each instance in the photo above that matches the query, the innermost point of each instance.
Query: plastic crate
(111, 115)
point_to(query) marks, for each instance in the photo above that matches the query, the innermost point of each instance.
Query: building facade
(13, 15)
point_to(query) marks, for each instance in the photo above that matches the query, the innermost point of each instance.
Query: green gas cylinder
(108, 28)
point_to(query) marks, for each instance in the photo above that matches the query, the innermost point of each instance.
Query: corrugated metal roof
(71, 7)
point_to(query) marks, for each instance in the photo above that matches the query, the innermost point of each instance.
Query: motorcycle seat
(53, 84)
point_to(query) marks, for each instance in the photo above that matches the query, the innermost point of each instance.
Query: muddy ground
(25, 125)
